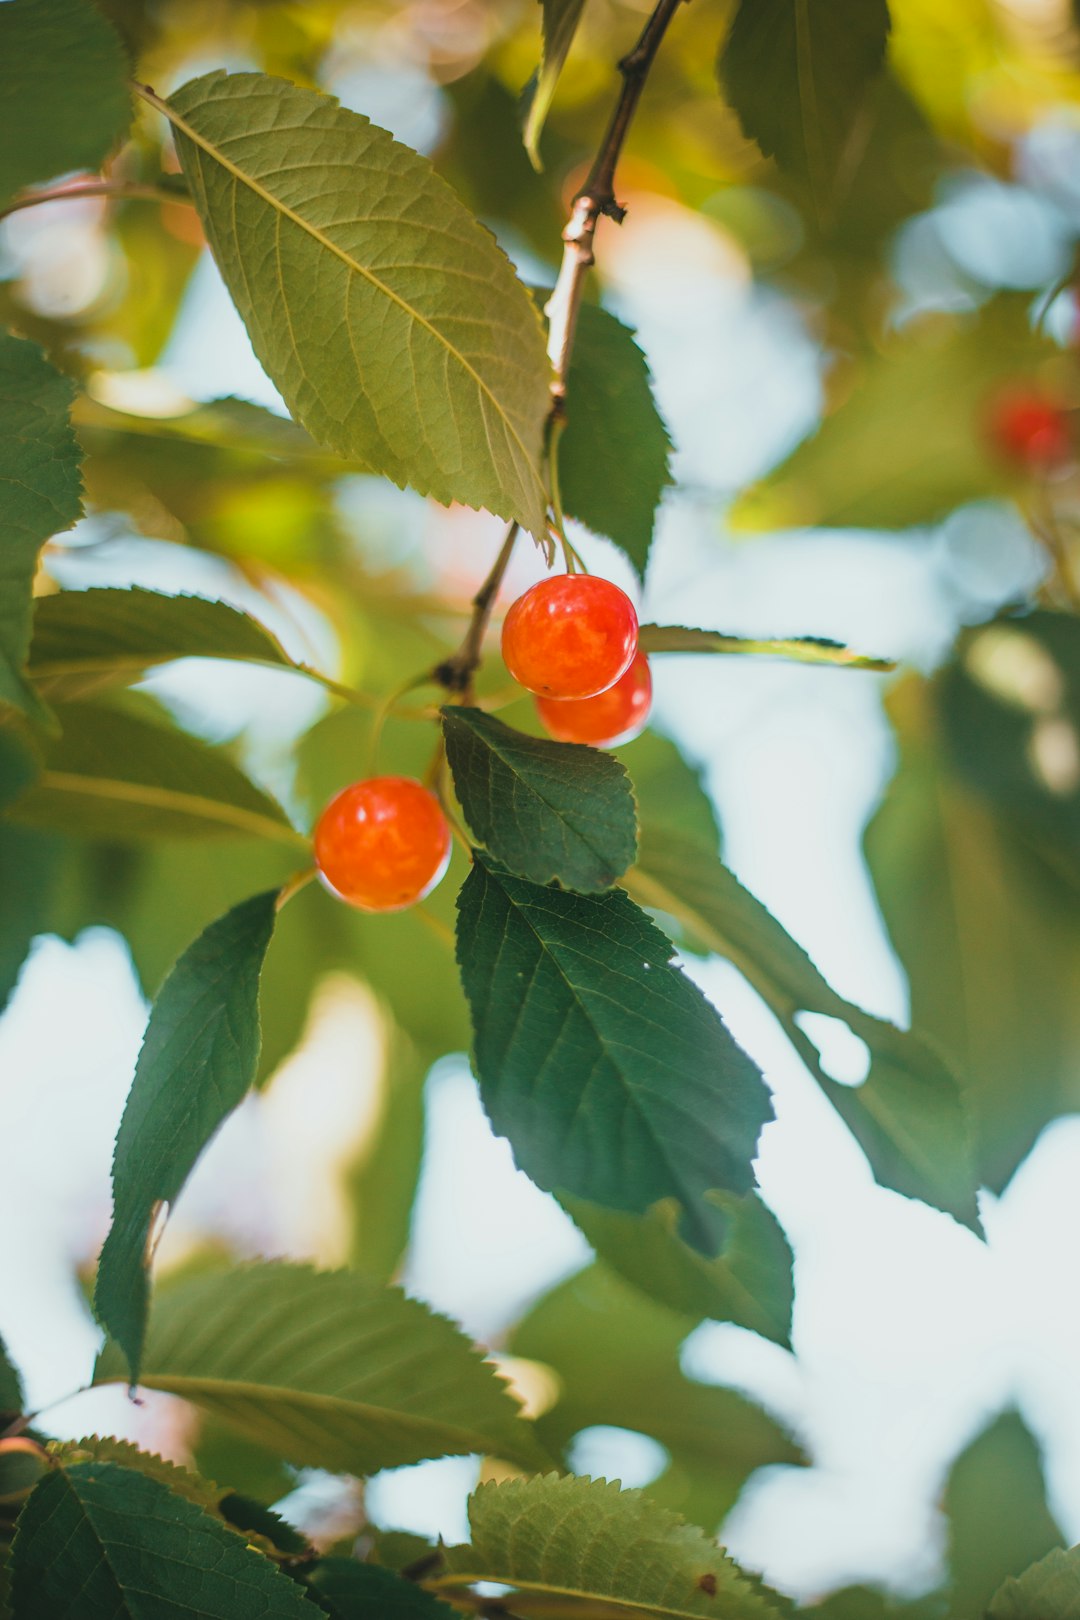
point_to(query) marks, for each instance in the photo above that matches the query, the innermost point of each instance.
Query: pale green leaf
(908, 1115)
(98, 1541)
(546, 810)
(84, 640)
(798, 73)
(199, 1058)
(328, 1369)
(677, 638)
(586, 1539)
(64, 102)
(386, 315)
(558, 25)
(113, 774)
(610, 1073)
(1049, 1590)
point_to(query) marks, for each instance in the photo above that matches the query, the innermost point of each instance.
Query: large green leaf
(999, 1523)
(199, 1058)
(988, 935)
(797, 73)
(328, 1369)
(98, 1541)
(27, 864)
(116, 775)
(749, 1282)
(40, 483)
(11, 1393)
(612, 1076)
(548, 811)
(908, 1116)
(63, 90)
(388, 318)
(559, 24)
(87, 639)
(923, 392)
(346, 1589)
(1049, 1590)
(616, 1354)
(586, 1539)
(614, 452)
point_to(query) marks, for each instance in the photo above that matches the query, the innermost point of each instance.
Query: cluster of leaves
(406, 347)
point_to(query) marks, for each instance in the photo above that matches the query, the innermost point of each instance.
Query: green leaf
(548, 811)
(908, 1116)
(586, 1539)
(924, 393)
(677, 638)
(612, 1076)
(669, 790)
(749, 1282)
(40, 483)
(84, 640)
(559, 25)
(64, 102)
(27, 865)
(616, 1354)
(11, 1391)
(988, 934)
(327, 1369)
(864, 1603)
(99, 1540)
(615, 450)
(199, 1058)
(388, 318)
(113, 774)
(995, 1504)
(1049, 1590)
(346, 1589)
(798, 75)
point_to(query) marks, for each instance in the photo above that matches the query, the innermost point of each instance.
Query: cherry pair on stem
(384, 843)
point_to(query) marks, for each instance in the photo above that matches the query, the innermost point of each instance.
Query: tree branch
(118, 189)
(456, 672)
(597, 197)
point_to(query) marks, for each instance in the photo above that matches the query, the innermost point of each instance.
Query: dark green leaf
(388, 318)
(548, 811)
(610, 1073)
(113, 774)
(559, 25)
(908, 1116)
(98, 1541)
(677, 638)
(1049, 1590)
(616, 1354)
(40, 483)
(63, 90)
(218, 1452)
(11, 1392)
(614, 453)
(87, 639)
(797, 73)
(749, 1282)
(348, 1589)
(27, 863)
(198, 1059)
(588, 1539)
(327, 1369)
(995, 1503)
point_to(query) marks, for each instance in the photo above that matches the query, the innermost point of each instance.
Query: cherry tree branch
(120, 190)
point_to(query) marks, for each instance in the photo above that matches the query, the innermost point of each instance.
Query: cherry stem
(456, 672)
(120, 189)
(298, 881)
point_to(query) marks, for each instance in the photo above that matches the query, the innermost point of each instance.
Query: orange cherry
(1030, 429)
(382, 844)
(570, 636)
(616, 716)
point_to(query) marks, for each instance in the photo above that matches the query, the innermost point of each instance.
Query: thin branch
(122, 190)
(597, 197)
(456, 672)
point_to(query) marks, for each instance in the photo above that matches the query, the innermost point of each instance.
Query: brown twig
(456, 672)
(596, 198)
(122, 190)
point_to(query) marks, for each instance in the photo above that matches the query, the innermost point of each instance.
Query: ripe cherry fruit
(1030, 429)
(382, 844)
(570, 636)
(612, 717)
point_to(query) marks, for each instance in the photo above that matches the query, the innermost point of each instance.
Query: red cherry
(382, 844)
(1029, 429)
(570, 636)
(612, 717)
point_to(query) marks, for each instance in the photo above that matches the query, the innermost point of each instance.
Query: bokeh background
(910, 1335)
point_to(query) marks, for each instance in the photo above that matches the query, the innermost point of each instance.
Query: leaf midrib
(159, 798)
(350, 263)
(664, 1610)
